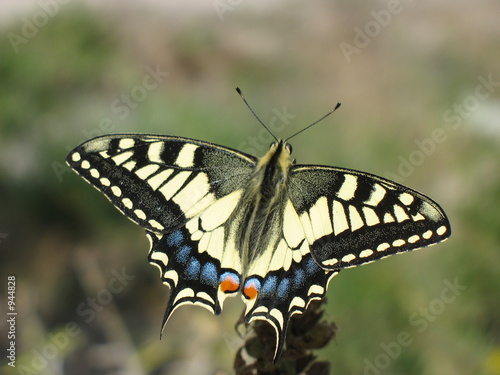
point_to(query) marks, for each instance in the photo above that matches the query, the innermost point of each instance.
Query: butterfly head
(273, 170)
(279, 154)
(274, 166)
(281, 145)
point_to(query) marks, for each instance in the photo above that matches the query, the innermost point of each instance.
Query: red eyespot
(250, 291)
(229, 284)
(251, 288)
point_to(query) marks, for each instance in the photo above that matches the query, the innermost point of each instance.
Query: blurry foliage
(70, 55)
(40, 86)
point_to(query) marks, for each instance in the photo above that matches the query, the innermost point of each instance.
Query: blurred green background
(419, 84)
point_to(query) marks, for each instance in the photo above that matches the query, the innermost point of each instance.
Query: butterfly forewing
(160, 182)
(351, 217)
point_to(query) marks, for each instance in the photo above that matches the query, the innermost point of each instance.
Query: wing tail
(280, 294)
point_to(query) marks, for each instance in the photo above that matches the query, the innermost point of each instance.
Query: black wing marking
(174, 188)
(283, 293)
(159, 182)
(193, 277)
(285, 278)
(352, 217)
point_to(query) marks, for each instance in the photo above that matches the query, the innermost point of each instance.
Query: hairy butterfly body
(222, 222)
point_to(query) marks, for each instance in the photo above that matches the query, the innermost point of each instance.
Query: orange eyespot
(229, 284)
(250, 291)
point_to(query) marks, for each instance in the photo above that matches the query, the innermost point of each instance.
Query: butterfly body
(259, 214)
(222, 222)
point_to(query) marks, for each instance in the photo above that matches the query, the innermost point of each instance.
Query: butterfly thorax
(260, 214)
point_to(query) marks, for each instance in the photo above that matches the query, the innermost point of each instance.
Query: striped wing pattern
(187, 195)
(195, 277)
(160, 182)
(182, 192)
(351, 218)
(167, 185)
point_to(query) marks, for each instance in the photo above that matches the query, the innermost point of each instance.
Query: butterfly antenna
(315, 122)
(255, 115)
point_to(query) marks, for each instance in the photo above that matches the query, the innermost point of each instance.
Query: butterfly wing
(285, 286)
(335, 218)
(351, 217)
(200, 261)
(180, 191)
(284, 278)
(184, 192)
(160, 182)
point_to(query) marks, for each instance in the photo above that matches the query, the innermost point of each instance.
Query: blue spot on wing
(283, 288)
(193, 269)
(312, 267)
(233, 275)
(269, 286)
(253, 281)
(209, 274)
(182, 254)
(298, 278)
(175, 239)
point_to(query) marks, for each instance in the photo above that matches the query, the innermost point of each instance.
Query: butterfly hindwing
(351, 218)
(193, 277)
(285, 278)
(283, 293)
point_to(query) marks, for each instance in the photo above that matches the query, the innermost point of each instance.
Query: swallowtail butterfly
(222, 222)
